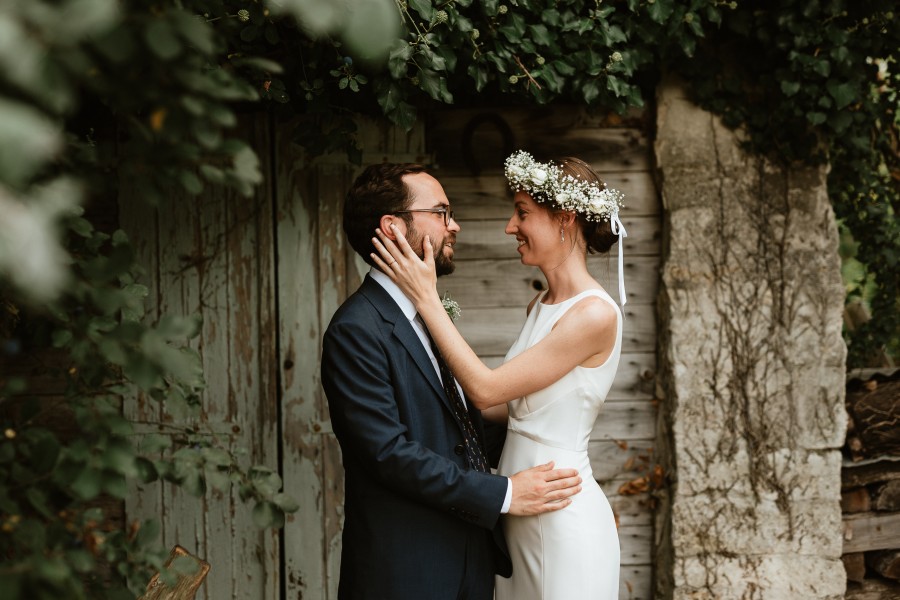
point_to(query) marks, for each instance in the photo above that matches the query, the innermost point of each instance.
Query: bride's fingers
(403, 243)
(386, 247)
(385, 267)
(428, 252)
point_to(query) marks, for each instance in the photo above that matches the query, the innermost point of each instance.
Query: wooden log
(873, 589)
(871, 531)
(886, 562)
(875, 408)
(887, 497)
(855, 566)
(856, 500)
(187, 583)
(871, 472)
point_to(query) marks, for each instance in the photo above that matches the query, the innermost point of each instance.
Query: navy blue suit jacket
(415, 515)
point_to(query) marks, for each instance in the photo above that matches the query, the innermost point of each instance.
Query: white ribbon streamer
(619, 229)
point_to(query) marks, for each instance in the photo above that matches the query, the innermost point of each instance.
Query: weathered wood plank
(611, 458)
(334, 266)
(506, 282)
(491, 331)
(140, 221)
(635, 582)
(214, 229)
(179, 294)
(635, 544)
(626, 421)
(305, 549)
(487, 238)
(489, 196)
(635, 379)
(252, 371)
(546, 131)
(871, 531)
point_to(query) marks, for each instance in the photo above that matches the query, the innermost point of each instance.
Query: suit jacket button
(459, 449)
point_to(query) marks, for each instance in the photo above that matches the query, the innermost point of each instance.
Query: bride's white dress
(573, 553)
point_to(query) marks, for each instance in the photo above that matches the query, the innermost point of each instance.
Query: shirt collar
(406, 305)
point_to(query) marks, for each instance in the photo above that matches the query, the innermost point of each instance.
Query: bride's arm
(585, 330)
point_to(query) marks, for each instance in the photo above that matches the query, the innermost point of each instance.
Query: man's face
(427, 193)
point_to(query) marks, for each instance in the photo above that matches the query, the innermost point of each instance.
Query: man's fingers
(560, 474)
(561, 484)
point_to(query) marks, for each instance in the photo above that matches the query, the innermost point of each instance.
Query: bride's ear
(566, 218)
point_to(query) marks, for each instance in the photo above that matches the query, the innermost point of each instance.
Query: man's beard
(443, 265)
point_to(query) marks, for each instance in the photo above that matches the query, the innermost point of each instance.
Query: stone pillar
(752, 364)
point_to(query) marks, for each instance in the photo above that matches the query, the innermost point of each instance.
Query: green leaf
(822, 67)
(162, 39)
(843, 93)
(479, 74)
(430, 83)
(250, 33)
(190, 182)
(61, 338)
(590, 91)
(424, 8)
(790, 88)
(266, 514)
(815, 117)
(38, 499)
(88, 484)
(540, 34)
(155, 442)
(285, 503)
(146, 472)
(54, 569)
(660, 10)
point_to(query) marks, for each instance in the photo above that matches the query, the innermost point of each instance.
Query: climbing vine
(98, 92)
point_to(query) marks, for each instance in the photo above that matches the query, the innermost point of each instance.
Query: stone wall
(752, 364)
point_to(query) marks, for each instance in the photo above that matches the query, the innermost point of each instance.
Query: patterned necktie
(474, 451)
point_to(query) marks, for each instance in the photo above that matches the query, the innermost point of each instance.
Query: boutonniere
(451, 306)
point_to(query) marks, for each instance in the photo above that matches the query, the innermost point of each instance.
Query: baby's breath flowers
(451, 306)
(547, 183)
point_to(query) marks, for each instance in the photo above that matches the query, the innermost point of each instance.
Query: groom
(421, 507)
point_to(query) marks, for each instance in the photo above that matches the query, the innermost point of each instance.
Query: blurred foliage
(97, 92)
(94, 93)
(807, 82)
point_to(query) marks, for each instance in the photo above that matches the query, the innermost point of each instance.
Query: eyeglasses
(442, 210)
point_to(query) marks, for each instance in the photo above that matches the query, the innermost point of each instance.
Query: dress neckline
(567, 300)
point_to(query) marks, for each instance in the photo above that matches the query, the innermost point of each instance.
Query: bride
(554, 378)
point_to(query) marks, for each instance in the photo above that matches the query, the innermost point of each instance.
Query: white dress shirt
(409, 311)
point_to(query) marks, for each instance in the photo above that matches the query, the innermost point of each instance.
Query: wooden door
(493, 287)
(213, 256)
(317, 270)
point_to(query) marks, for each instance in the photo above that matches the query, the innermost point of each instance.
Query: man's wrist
(508, 500)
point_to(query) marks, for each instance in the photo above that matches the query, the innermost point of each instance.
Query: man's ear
(385, 225)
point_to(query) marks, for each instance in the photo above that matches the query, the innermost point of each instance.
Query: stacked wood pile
(870, 495)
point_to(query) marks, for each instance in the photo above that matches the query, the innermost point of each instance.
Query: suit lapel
(404, 332)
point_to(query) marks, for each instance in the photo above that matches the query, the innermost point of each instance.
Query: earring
(562, 235)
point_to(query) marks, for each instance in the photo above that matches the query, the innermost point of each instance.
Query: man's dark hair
(378, 191)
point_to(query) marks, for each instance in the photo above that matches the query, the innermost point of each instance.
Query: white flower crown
(547, 184)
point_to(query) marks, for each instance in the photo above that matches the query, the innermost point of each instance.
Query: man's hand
(543, 489)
